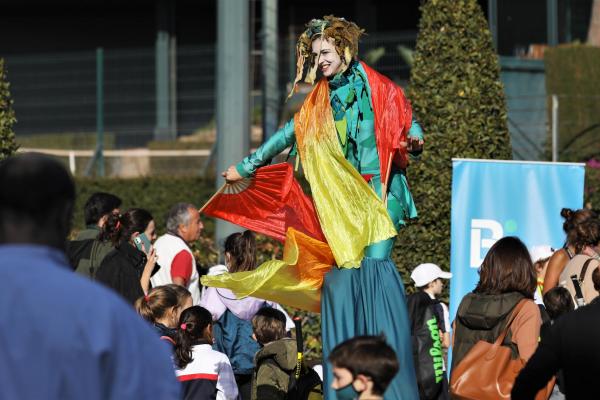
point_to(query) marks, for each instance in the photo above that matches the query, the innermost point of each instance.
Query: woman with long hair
(127, 268)
(506, 278)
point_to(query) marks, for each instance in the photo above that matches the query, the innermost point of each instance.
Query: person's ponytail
(113, 229)
(242, 249)
(192, 327)
(156, 303)
(248, 257)
(183, 344)
(143, 308)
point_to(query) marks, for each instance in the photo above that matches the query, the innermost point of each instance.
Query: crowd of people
(77, 334)
(219, 346)
(222, 347)
(133, 320)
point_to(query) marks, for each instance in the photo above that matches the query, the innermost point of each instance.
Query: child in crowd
(160, 307)
(428, 279)
(423, 306)
(204, 372)
(232, 316)
(363, 367)
(276, 361)
(558, 301)
(184, 298)
(540, 255)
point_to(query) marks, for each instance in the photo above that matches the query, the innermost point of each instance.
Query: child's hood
(283, 352)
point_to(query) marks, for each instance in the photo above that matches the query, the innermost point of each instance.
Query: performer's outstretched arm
(281, 140)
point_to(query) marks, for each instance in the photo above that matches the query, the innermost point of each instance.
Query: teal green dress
(369, 300)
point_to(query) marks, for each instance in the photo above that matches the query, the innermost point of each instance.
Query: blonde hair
(345, 35)
(156, 303)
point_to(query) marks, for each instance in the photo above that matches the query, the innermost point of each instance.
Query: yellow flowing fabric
(351, 214)
(294, 281)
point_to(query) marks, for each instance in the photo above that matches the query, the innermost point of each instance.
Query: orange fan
(269, 202)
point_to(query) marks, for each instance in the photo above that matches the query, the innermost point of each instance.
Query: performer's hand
(232, 175)
(414, 145)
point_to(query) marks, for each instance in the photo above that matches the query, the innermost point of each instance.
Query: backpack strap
(570, 254)
(584, 269)
(578, 282)
(93, 257)
(509, 322)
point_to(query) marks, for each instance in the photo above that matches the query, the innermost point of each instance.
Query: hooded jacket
(275, 363)
(482, 317)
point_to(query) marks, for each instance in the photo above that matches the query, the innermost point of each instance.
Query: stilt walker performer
(354, 135)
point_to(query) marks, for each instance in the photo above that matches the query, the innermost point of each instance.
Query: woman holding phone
(127, 269)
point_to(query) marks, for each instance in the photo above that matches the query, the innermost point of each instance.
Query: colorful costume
(347, 132)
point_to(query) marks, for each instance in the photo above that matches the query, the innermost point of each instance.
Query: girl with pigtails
(204, 372)
(127, 269)
(354, 135)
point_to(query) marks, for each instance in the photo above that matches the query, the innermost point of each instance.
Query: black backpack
(308, 386)
(305, 383)
(427, 346)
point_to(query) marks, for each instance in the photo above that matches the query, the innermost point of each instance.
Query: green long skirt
(369, 300)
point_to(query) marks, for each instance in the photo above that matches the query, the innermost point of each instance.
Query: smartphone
(142, 242)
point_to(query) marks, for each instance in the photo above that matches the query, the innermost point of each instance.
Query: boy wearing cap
(428, 279)
(426, 311)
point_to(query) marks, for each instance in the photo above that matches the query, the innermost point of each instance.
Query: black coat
(122, 269)
(571, 344)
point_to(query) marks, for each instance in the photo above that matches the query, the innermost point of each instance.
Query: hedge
(7, 116)
(572, 73)
(458, 99)
(156, 195)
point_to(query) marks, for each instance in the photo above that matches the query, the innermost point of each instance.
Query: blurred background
(141, 76)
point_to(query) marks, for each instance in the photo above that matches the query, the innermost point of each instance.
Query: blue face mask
(347, 392)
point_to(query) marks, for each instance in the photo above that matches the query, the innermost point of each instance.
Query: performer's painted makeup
(328, 59)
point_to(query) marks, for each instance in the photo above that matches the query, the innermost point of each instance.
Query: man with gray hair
(174, 254)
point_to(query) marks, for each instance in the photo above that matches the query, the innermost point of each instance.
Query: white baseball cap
(428, 272)
(540, 252)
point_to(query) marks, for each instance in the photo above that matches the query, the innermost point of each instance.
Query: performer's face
(328, 59)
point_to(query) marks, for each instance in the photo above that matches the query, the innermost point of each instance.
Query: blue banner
(493, 199)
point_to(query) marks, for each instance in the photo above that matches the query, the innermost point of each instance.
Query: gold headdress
(345, 35)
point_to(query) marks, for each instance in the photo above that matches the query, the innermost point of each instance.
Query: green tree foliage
(572, 74)
(7, 117)
(458, 99)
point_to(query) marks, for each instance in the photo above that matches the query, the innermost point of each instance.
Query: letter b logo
(492, 232)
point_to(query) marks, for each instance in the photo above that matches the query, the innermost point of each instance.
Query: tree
(457, 97)
(7, 117)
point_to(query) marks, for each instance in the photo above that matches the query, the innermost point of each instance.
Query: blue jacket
(65, 337)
